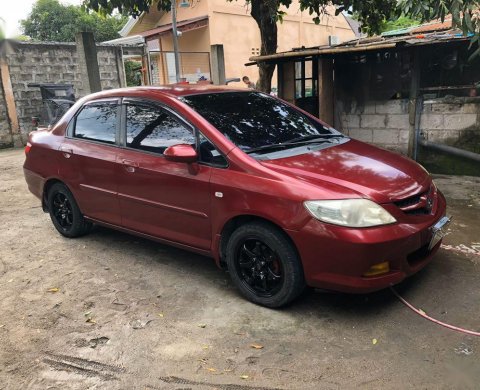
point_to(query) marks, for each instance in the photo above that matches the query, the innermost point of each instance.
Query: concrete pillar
(325, 90)
(286, 81)
(122, 79)
(217, 64)
(88, 61)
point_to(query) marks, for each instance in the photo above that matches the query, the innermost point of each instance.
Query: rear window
(254, 119)
(97, 122)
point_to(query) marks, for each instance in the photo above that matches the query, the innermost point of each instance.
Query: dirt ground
(134, 314)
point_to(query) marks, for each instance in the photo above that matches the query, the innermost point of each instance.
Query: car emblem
(429, 204)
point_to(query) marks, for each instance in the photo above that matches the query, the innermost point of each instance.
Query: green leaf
(468, 21)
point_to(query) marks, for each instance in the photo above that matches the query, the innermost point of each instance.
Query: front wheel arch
(274, 254)
(234, 223)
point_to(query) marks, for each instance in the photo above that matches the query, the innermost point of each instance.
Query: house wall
(199, 8)
(194, 48)
(191, 41)
(50, 63)
(231, 25)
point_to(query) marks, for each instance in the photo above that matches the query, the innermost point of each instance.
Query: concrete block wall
(51, 63)
(382, 123)
(386, 123)
(155, 70)
(447, 120)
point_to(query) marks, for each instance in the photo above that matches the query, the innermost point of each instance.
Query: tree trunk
(265, 14)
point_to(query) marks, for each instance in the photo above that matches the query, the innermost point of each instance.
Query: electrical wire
(424, 315)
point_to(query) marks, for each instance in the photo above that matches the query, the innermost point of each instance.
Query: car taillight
(28, 147)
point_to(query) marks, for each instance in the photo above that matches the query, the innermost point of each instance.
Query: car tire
(65, 213)
(264, 265)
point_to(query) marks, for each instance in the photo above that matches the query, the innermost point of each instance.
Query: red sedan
(274, 195)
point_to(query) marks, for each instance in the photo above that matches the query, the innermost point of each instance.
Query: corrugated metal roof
(415, 36)
(428, 33)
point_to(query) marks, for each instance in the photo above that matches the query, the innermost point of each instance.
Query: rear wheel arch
(46, 188)
(64, 212)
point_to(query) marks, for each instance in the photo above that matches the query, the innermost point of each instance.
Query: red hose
(422, 313)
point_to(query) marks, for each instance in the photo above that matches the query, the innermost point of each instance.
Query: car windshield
(257, 122)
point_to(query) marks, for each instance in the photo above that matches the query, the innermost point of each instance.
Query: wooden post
(10, 103)
(286, 81)
(412, 102)
(325, 90)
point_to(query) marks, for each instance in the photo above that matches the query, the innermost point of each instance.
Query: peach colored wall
(238, 34)
(195, 40)
(230, 24)
(199, 8)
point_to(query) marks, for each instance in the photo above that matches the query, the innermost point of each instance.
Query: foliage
(2, 34)
(465, 14)
(371, 14)
(397, 24)
(51, 21)
(132, 69)
(22, 38)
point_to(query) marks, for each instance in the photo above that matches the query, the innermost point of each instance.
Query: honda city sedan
(277, 197)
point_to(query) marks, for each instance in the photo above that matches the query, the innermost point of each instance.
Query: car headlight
(349, 212)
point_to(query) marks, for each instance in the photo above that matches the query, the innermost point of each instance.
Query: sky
(18, 10)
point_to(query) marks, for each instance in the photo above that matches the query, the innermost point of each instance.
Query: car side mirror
(181, 153)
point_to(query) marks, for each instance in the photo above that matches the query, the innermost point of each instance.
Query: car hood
(369, 171)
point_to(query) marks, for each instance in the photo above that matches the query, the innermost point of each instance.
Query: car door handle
(129, 165)
(67, 152)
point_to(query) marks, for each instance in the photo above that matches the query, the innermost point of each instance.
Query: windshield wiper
(266, 148)
(311, 139)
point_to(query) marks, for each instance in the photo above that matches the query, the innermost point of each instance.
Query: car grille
(420, 204)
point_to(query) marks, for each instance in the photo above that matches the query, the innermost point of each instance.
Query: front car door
(164, 199)
(89, 159)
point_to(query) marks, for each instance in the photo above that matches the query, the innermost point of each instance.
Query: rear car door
(161, 198)
(89, 159)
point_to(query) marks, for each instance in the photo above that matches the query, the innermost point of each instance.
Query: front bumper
(335, 258)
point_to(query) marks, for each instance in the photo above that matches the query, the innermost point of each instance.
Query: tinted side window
(97, 122)
(209, 154)
(154, 129)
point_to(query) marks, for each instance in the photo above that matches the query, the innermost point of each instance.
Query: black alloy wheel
(65, 213)
(264, 265)
(259, 267)
(62, 211)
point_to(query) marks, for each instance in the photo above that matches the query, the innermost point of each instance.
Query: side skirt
(202, 252)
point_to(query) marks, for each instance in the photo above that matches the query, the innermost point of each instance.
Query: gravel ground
(134, 314)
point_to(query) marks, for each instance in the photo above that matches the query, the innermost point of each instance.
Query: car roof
(173, 90)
